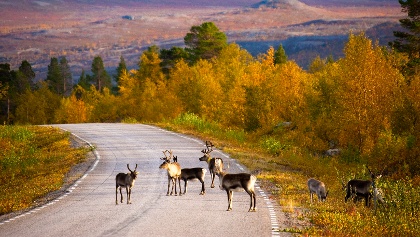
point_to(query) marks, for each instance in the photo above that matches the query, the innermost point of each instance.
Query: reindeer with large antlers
(215, 164)
(174, 172)
(125, 180)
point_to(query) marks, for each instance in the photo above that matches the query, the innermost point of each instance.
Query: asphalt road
(89, 209)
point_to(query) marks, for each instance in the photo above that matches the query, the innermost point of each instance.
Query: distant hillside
(303, 49)
(351, 3)
(45, 4)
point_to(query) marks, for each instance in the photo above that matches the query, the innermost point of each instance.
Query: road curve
(89, 207)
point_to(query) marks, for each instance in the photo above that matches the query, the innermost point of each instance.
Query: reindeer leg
(179, 184)
(367, 200)
(252, 201)
(121, 195)
(175, 179)
(173, 184)
(203, 190)
(128, 191)
(185, 185)
(229, 194)
(212, 175)
(255, 203)
(116, 196)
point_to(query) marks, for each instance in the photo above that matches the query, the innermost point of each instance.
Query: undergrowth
(287, 167)
(33, 162)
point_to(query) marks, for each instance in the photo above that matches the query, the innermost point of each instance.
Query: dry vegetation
(37, 32)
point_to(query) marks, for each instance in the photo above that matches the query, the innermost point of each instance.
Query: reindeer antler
(167, 159)
(209, 146)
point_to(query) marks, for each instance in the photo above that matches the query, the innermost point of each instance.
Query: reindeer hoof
(212, 186)
(252, 210)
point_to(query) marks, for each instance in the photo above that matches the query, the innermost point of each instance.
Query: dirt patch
(75, 173)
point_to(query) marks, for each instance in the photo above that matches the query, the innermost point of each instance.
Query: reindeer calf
(125, 180)
(317, 187)
(236, 182)
(191, 174)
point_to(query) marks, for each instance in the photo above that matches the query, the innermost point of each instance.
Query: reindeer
(127, 181)
(174, 172)
(191, 174)
(236, 182)
(215, 164)
(317, 187)
(357, 188)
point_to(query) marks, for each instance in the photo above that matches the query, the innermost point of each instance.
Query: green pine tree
(280, 56)
(205, 41)
(408, 41)
(100, 77)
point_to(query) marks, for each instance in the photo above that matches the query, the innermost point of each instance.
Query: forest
(366, 104)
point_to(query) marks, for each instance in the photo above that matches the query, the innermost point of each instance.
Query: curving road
(89, 207)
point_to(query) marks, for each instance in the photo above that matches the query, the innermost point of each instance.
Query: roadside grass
(34, 161)
(285, 170)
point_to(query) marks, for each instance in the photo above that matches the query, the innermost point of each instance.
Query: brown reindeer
(125, 180)
(236, 182)
(192, 174)
(215, 164)
(358, 188)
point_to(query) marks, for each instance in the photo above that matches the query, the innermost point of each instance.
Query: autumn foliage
(361, 103)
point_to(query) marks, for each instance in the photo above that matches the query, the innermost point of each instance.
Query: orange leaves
(72, 110)
(369, 90)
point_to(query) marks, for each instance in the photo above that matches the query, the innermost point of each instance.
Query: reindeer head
(374, 176)
(133, 173)
(207, 151)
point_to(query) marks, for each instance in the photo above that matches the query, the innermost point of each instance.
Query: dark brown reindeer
(236, 182)
(215, 164)
(317, 187)
(357, 188)
(125, 180)
(174, 172)
(191, 174)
